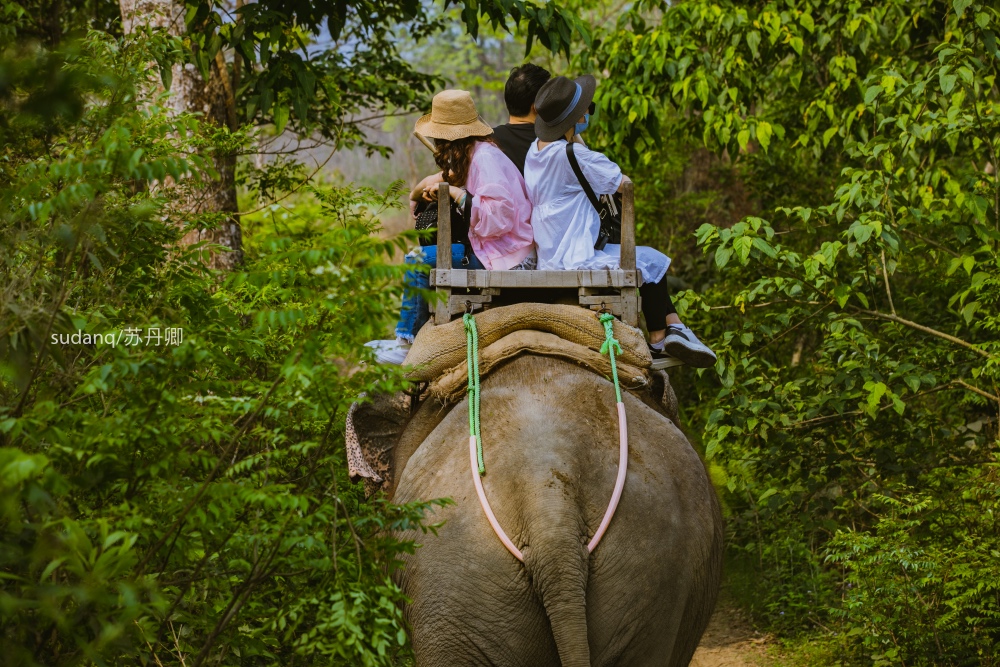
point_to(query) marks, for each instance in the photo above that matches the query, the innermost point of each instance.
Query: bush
(175, 492)
(923, 588)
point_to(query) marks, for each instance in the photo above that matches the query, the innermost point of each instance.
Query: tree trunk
(213, 99)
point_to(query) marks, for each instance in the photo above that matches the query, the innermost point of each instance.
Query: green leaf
(280, 117)
(876, 390)
(722, 255)
(947, 81)
(828, 135)
(861, 231)
(960, 6)
(970, 311)
(50, 568)
(764, 247)
(753, 41)
(842, 293)
(764, 133)
(742, 247)
(872, 93)
(743, 138)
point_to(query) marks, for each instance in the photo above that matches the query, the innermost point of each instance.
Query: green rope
(610, 343)
(472, 361)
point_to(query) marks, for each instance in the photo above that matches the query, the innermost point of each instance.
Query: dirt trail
(729, 642)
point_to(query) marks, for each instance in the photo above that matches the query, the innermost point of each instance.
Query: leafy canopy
(856, 313)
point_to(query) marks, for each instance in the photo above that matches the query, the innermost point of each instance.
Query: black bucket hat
(560, 103)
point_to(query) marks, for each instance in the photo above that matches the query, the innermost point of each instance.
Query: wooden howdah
(617, 291)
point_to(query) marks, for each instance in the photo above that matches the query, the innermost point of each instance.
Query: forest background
(824, 175)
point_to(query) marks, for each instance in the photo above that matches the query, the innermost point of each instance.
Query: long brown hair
(455, 157)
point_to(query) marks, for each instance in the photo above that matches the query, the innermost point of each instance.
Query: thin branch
(152, 651)
(927, 330)
(976, 390)
(295, 189)
(932, 390)
(815, 420)
(885, 277)
(177, 645)
(929, 242)
(765, 304)
(791, 329)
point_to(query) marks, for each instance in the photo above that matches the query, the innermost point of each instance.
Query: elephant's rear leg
(476, 619)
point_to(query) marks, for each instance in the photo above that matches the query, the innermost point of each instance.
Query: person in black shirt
(515, 137)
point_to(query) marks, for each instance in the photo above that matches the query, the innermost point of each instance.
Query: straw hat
(560, 103)
(453, 116)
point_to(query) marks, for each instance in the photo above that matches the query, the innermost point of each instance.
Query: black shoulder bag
(427, 218)
(609, 207)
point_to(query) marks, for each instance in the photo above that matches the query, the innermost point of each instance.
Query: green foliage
(923, 587)
(855, 313)
(319, 67)
(178, 499)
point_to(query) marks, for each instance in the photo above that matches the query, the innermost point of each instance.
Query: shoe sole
(692, 357)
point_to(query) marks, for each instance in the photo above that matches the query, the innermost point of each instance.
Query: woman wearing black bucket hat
(566, 224)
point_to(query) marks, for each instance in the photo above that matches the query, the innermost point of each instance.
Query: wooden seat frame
(616, 290)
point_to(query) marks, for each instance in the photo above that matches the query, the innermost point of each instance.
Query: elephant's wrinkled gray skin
(550, 438)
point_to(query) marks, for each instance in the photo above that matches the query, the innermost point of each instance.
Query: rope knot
(609, 337)
(608, 348)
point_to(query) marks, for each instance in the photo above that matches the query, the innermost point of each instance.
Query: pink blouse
(500, 225)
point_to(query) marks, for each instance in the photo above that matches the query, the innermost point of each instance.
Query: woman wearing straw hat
(476, 170)
(566, 224)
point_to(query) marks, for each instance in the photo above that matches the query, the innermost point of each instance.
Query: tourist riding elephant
(550, 441)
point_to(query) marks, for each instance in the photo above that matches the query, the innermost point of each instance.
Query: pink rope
(486, 504)
(619, 483)
(616, 495)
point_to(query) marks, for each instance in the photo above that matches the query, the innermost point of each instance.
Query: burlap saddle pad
(575, 334)
(452, 385)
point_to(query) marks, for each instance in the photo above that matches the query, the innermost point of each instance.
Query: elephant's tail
(558, 565)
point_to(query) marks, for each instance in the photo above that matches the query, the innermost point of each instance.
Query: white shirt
(565, 223)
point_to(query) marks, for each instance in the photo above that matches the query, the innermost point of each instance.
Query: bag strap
(580, 177)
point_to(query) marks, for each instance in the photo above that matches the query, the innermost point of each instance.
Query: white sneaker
(681, 343)
(389, 351)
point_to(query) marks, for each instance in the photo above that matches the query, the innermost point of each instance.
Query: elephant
(550, 442)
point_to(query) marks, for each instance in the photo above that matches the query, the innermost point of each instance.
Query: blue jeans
(415, 312)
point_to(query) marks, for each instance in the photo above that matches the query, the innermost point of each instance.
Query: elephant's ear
(373, 427)
(665, 393)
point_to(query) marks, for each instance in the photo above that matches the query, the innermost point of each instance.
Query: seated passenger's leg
(415, 307)
(413, 313)
(674, 339)
(656, 308)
